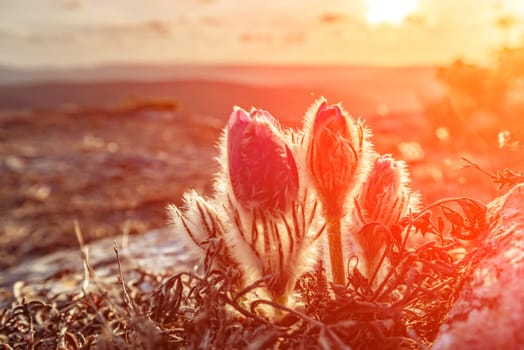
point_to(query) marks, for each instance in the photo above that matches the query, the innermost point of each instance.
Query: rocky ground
(113, 172)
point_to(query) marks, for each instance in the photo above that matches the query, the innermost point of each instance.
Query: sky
(69, 33)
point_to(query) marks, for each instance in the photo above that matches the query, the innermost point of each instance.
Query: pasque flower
(385, 197)
(337, 149)
(261, 168)
(333, 155)
(386, 193)
(269, 232)
(256, 220)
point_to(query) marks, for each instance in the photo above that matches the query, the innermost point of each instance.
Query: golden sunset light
(68, 33)
(389, 11)
(262, 174)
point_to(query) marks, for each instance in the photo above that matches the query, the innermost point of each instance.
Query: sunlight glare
(390, 11)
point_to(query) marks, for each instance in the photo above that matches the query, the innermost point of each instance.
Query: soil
(112, 172)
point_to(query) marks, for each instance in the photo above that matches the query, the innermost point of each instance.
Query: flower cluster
(279, 191)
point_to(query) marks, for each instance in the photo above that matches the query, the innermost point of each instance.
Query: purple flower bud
(385, 197)
(337, 152)
(334, 156)
(386, 194)
(262, 169)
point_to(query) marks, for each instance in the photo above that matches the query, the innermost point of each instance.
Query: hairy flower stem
(335, 250)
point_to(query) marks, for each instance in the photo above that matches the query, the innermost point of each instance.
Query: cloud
(211, 21)
(34, 37)
(51, 38)
(332, 18)
(256, 37)
(69, 5)
(160, 28)
(416, 20)
(294, 38)
(119, 31)
(140, 31)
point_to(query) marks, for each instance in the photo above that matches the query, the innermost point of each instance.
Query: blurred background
(110, 110)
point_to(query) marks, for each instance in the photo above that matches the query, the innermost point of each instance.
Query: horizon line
(14, 67)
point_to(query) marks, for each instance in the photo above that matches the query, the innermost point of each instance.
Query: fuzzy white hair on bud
(358, 138)
(270, 222)
(196, 224)
(336, 153)
(385, 197)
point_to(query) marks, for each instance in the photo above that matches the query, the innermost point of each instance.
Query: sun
(389, 11)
